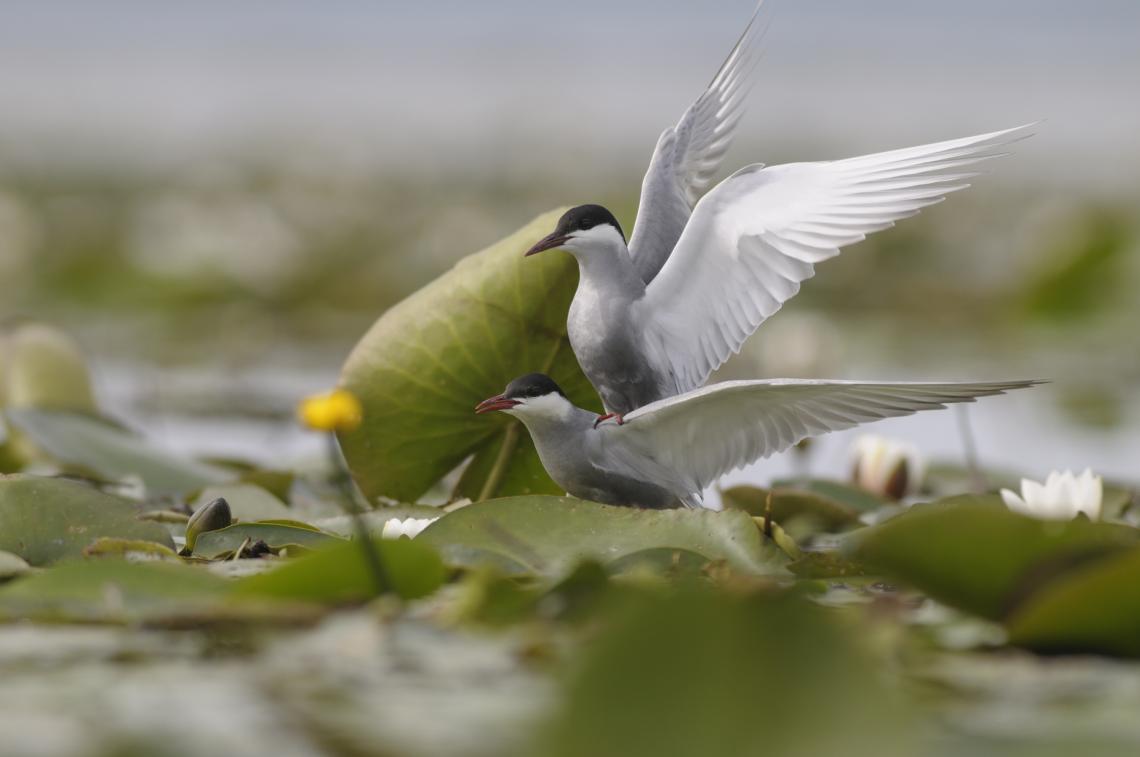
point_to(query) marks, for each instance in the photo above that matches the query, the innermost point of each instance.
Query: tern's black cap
(532, 385)
(586, 217)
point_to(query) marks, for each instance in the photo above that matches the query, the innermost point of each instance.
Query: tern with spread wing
(666, 453)
(700, 274)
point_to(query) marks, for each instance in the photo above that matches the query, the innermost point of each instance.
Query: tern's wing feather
(688, 155)
(687, 442)
(759, 233)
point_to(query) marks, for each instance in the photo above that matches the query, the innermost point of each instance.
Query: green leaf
(45, 519)
(12, 566)
(845, 494)
(110, 590)
(211, 544)
(247, 502)
(422, 368)
(45, 369)
(792, 504)
(374, 520)
(973, 553)
(1094, 608)
(111, 452)
(339, 574)
(550, 535)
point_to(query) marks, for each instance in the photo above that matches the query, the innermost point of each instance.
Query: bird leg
(608, 416)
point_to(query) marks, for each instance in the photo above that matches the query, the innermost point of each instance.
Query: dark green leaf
(275, 534)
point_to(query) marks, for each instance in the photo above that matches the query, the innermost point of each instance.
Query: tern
(654, 318)
(666, 453)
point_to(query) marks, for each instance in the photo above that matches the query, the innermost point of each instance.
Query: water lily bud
(1063, 496)
(209, 517)
(338, 410)
(887, 467)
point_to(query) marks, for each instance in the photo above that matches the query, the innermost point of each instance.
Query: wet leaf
(339, 574)
(973, 553)
(247, 502)
(550, 535)
(110, 452)
(275, 534)
(110, 590)
(1093, 608)
(44, 519)
(422, 368)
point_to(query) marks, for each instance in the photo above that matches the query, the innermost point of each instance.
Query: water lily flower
(338, 410)
(1062, 497)
(394, 528)
(888, 467)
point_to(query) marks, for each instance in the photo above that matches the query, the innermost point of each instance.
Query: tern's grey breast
(608, 347)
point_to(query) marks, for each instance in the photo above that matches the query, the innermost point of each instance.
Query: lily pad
(374, 520)
(45, 519)
(973, 553)
(110, 590)
(339, 574)
(1094, 608)
(422, 368)
(46, 369)
(110, 452)
(846, 494)
(12, 566)
(276, 534)
(792, 504)
(247, 502)
(550, 535)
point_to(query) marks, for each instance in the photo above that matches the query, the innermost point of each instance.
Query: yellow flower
(338, 410)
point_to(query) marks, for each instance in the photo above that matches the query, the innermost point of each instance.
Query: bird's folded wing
(689, 154)
(758, 234)
(689, 441)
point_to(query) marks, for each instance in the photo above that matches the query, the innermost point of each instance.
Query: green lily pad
(276, 534)
(45, 519)
(110, 452)
(1093, 608)
(422, 368)
(135, 550)
(973, 553)
(110, 590)
(374, 520)
(339, 574)
(12, 566)
(247, 502)
(550, 535)
(845, 494)
(668, 562)
(792, 504)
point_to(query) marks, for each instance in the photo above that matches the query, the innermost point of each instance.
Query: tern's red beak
(498, 402)
(548, 242)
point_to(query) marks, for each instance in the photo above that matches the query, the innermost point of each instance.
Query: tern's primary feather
(688, 155)
(758, 234)
(686, 443)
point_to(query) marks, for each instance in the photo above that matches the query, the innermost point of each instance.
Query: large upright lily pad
(44, 519)
(422, 368)
(549, 535)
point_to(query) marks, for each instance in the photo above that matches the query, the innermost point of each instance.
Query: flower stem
(353, 507)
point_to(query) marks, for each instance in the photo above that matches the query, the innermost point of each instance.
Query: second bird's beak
(548, 242)
(498, 402)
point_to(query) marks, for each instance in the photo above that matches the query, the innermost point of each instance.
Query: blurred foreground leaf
(708, 673)
(339, 574)
(110, 590)
(44, 519)
(973, 553)
(422, 368)
(549, 535)
(92, 445)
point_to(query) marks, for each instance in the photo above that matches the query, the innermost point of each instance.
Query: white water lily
(394, 528)
(887, 467)
(1062, 497)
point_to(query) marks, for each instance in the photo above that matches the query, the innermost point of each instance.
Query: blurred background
(218, 199)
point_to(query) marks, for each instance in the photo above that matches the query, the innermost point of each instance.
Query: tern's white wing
(760, 232)
(688, 155)
(687, 442)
